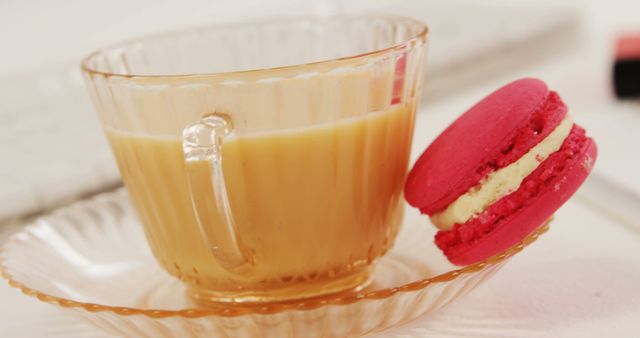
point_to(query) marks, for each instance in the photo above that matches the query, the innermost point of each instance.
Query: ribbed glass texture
(90, 260)
(318, 120)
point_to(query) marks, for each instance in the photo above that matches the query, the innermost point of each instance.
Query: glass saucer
(91, 259)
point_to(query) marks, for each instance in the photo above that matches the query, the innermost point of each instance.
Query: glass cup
(265, 160)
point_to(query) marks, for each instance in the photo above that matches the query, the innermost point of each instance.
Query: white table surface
(580, 280)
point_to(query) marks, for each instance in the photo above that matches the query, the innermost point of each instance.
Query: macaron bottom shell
(516, 215)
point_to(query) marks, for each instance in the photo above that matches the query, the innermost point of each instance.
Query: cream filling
(501, 182)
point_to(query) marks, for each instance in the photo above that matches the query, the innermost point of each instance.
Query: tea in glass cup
(265, 160)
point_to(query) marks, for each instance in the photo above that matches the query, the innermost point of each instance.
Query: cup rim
(92, 71)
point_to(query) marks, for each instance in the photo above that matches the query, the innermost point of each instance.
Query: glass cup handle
(202, 146)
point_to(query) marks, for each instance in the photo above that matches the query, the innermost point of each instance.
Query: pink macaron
(500, 171)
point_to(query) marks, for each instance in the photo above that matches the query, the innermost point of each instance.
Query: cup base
(213, 298)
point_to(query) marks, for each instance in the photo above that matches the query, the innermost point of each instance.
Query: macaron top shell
(491, 135)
